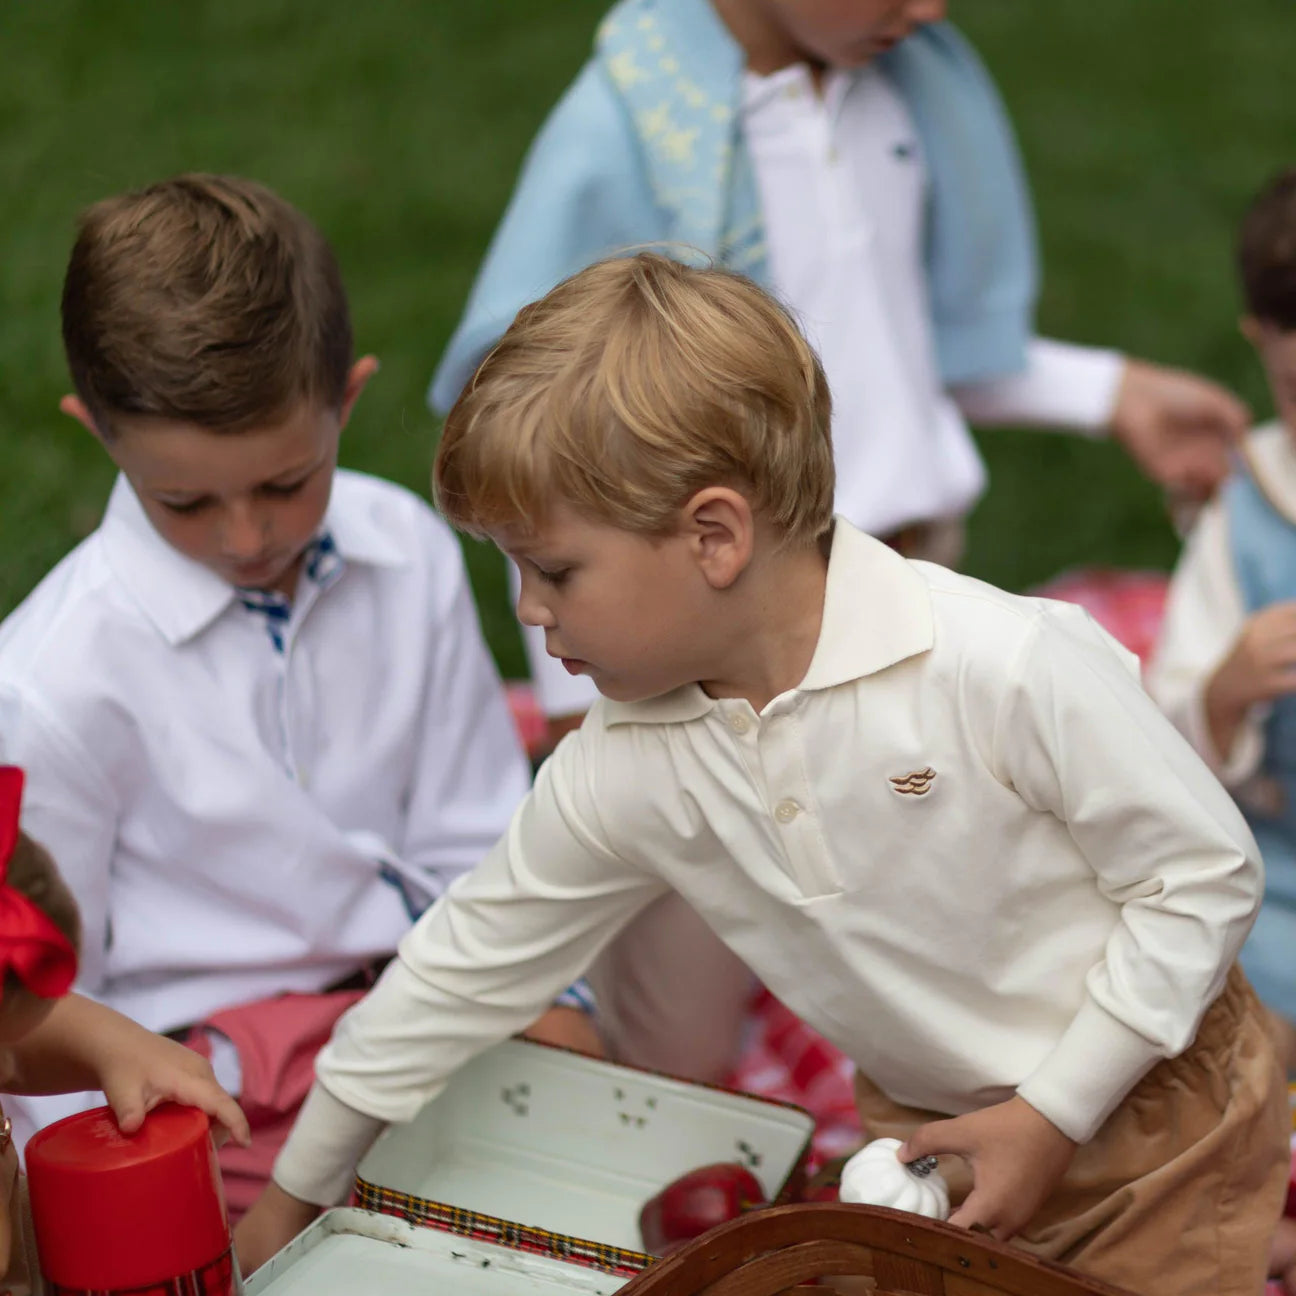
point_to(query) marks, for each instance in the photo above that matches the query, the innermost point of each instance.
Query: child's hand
(275, 1219)
(1177, 427)
(1017, 1157)
(141, 1070)
(1262, 664)
(568, 1028)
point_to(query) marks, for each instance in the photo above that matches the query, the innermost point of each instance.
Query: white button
(786, 810)
(739, 723)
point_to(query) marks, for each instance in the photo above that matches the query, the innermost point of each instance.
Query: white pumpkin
(875, 1176)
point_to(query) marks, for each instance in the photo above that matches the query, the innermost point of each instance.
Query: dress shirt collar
(1270, 457)
(181, 596)
(877, 612)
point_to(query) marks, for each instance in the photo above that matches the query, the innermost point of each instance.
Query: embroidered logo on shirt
(916, 784)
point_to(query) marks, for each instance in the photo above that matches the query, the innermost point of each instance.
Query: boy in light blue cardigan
(855, 159)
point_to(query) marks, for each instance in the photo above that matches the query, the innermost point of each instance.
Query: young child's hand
(276, 1217)
(568, 1028)
(1017, 1157)
(141, 1071)
(1177, 427)
(1262, 662)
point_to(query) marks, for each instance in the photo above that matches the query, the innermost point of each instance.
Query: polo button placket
(786, 810)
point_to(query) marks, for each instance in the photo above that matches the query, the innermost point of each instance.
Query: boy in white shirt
(944, 824)
(1225, 667)
(260, 726)
(856, 160)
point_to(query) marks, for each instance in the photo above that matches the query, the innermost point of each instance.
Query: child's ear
(75, 407)
(1251, 329)
(722, 533)
(357, 379)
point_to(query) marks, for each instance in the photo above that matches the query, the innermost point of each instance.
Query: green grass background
(399, 127)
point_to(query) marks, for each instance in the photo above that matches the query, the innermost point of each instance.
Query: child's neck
(772, 626)
(768, 48)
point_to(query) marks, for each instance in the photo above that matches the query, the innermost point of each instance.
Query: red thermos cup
(140, 1213)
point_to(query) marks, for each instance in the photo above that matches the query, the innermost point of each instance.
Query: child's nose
(531, 610)
(243, 532)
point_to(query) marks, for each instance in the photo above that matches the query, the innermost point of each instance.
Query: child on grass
(260, 725)
(855, 159)
(944, 824)
(50, 1040)
(1225, 667)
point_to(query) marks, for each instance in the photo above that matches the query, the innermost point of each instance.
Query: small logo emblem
(916, 784)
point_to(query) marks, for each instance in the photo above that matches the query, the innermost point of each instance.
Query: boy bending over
(944, 824)
(260, 727)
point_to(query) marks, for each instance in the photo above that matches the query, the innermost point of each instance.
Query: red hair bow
(30, 944)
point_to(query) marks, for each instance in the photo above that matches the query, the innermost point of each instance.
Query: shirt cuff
(578, 995)
(1095, 1064)
(1243, 759)
(1063, 385)
(317, 1163)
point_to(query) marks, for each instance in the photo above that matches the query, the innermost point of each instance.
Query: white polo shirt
(967, 848)
(239, 817)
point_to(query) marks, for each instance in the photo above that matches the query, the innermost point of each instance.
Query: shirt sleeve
(1077, 737)
(477, 967)
(1063, 386)
(1203, 619)
(71, 809)
(470, 771)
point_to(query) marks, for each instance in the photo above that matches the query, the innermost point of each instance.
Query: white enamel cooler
(349, 1252)
(553, 1153)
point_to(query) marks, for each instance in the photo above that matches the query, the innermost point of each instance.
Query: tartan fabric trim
(488, 1228)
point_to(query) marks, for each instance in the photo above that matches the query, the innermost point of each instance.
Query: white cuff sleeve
(317, 1163)
(1063, 385)
(1084, 1079)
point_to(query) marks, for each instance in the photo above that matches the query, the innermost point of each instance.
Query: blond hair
(206, 299)
(628, 388)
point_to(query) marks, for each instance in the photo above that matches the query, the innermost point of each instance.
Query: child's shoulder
(66, 612)
(1269, 454)
(983, 632)
(372, 510)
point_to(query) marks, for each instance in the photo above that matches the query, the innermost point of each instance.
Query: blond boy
(944, 824)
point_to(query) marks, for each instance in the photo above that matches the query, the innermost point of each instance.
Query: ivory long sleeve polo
(967, 848)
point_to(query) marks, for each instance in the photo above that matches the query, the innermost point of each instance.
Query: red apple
(690, 1205)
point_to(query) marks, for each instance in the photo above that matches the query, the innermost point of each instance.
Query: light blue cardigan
(645, 147)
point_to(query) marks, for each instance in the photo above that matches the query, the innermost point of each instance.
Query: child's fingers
(211, 1098)
(937, 1138)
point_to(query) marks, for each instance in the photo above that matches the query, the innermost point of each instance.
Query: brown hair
(33, 873)
(629, 387)
(206, 299)
(1267, 252)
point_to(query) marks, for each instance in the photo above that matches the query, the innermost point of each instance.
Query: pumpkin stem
(922, 1167)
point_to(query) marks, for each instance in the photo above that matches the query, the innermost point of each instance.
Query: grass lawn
(1146, 124)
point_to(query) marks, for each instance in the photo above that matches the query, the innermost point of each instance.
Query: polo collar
(877, 612)
(181, 596)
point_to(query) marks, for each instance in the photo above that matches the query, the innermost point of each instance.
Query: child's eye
(277, 491)
(184, 507)
(557, 577)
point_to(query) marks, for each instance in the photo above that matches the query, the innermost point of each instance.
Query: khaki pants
(671, 996)
(1178, 1194)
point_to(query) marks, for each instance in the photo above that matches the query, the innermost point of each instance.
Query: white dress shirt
(843, 192)
(967, 848)
(1205, 614)
(237, 818)
(843, 188)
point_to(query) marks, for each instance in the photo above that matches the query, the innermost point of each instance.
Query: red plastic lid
(113, 1210)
